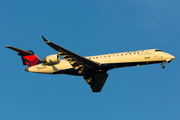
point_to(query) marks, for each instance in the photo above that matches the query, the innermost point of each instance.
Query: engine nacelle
(51, 59)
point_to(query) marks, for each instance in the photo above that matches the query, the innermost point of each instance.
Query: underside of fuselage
(106, 67)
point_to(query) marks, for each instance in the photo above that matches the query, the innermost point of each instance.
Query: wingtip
(7, 46)
(45, 40)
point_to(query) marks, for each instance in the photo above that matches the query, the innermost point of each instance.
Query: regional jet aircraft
(93, 68)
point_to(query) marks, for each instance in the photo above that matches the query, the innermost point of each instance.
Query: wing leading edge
(78, 62)
(83, 66)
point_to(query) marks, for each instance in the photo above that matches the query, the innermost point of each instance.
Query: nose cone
(27, 69)
(172, 57)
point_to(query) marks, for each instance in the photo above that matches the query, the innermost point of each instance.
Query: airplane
(92, 68)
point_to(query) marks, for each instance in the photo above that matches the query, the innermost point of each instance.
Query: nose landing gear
(162, 65)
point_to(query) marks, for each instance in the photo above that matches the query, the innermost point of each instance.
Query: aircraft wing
(77, 61)
(98, 80)
(80, 63)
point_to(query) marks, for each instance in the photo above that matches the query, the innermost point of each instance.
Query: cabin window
(121, 54)
(96, 57)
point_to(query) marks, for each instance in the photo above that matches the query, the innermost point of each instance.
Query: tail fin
(28, 57)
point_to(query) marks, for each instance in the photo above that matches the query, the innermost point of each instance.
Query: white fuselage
(141, 57)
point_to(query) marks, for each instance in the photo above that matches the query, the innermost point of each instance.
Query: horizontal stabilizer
(28, 57)
(19, 50)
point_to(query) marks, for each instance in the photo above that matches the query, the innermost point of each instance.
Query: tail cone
(26, 69)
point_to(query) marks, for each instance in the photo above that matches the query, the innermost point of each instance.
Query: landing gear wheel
(80, 71)
(163, 66)
(89, 81)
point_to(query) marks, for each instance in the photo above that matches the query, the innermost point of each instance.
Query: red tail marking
(31, 60)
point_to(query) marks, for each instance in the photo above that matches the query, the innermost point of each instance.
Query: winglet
(45, 40)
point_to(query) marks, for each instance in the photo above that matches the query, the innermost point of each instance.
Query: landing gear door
(147, 56)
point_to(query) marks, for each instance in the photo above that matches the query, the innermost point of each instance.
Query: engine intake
(51, 59)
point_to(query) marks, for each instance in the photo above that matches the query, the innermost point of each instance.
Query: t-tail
(28, 57)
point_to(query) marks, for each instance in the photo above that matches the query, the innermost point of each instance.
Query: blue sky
(90, 28)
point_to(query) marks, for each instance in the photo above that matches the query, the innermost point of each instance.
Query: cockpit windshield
(159, 51)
